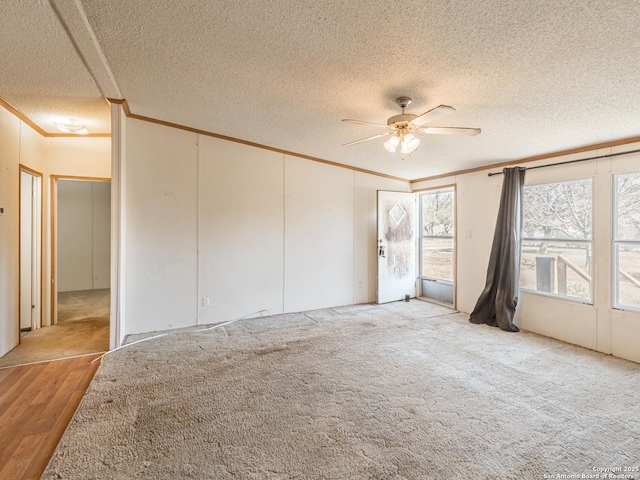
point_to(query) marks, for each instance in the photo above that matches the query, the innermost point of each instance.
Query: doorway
(438, 245)
(80, 311)
(396, 246)
(30, 316)
(82, 259)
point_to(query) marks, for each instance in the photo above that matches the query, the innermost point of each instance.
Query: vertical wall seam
(284, 231)
(613, 264)
(53, 188)
(198, 240)
(19, 301)
(353, 243)
(20, 220)
(93, 240)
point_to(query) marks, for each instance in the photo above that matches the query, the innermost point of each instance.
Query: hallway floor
(83, 328)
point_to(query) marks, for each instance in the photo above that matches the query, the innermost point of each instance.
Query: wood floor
(36, 403)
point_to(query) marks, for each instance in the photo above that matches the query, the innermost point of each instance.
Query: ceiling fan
(401, 127)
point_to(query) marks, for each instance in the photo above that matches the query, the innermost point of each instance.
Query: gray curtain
(497, 303)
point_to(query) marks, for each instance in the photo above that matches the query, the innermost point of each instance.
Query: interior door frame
(54, 235)
(34, 173)
(419, 192)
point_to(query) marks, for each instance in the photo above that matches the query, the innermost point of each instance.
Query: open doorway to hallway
(80, 272)
(83, 258)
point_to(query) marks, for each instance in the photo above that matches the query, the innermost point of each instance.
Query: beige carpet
(400, 391)
(82, 328)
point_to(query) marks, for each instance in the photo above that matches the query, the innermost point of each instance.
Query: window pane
(437, 213)
(628, 206)
(560, 268)
(437, 258)
(628, 275)
(558, 210)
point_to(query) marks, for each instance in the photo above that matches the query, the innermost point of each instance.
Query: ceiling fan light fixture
(71, 127)
(400, 127)
(409, 143)
(392, 143)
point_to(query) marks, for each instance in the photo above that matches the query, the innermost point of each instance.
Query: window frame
(432, 191)
(615, 242)
(591, 242)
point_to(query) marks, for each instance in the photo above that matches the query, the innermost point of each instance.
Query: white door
(30, 241)
(396, 246)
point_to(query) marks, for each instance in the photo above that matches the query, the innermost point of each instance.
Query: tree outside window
(557, 238)
(627, 240)
(437, 234)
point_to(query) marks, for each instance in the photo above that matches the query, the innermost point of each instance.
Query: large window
(557, 239)
(437, 234)
(627, 240)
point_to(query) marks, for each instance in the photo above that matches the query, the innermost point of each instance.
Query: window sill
(563, 298)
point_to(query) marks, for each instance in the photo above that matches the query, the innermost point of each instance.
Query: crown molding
(21, 116)
(10, 108)
(561, 153)
(129, 114)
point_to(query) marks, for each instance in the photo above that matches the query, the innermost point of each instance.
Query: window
(557, 240)
(437, 234)
(626, 240)
(437, 245)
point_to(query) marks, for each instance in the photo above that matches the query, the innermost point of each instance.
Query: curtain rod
(571, 161)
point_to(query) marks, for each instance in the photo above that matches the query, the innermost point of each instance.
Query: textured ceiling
(536, 76)
(41, 74)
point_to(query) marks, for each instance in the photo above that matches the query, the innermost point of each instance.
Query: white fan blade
(360, 122)
(450, 130)
(433, 114)
(368, 138)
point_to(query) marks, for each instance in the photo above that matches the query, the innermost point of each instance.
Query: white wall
(79, 156)
(256, 230)
(596, 326)
(74, 243)
(161, 227)
(319, 235)
(84, 229)
(9, 178)
(101, 233)
(241, 225)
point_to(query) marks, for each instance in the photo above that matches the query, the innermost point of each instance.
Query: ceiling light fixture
(71, 127)
(400, 128)
(392, 143)
(408, 143)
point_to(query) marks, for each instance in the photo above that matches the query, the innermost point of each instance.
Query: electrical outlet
(205, 301)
